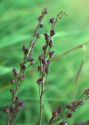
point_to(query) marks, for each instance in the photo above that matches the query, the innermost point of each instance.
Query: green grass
(18, 19)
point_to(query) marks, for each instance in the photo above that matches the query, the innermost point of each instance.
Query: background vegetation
(18, 19)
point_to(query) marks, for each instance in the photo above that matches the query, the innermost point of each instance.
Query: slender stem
(41, 103)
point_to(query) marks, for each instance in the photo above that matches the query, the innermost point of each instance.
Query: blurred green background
(18, 19)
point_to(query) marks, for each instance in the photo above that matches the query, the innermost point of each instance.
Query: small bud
(15, 72)
(40, 69)
(41, 25)
(40, 81)
(46, 70)
(68, 106)
(44, 48)
(13, 81)
(52, 20)
(55, 114)
(48, 62)
(52, 32)
(51, 44)
(39, 18)
(23, 67)
(47, 38)
(69, 115)
(20, 105)
(44, 61)
(40, 57)
(51, 53)
(25, 50)
(7, 110)
(32, 62)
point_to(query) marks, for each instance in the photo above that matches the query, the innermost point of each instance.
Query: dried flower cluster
(19, 76)
(60, 116)
(45, 59)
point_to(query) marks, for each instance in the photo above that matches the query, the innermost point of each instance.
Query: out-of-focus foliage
(18, 19)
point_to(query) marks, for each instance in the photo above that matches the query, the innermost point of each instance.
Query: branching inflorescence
(60, 116)
(19, 76)
(45, 59)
